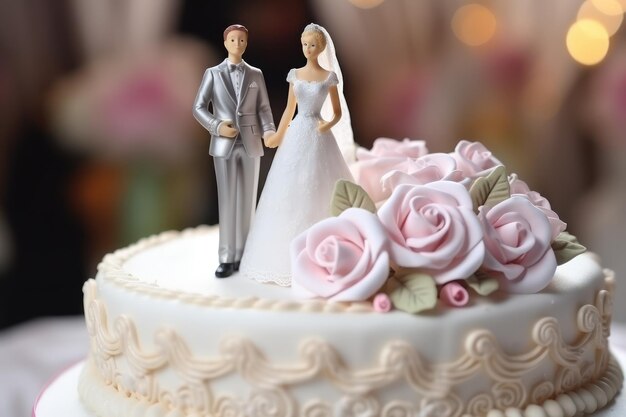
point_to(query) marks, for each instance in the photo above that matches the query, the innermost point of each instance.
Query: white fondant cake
(378, 320)
(167, 339)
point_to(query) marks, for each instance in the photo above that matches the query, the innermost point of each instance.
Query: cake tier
(168, 339)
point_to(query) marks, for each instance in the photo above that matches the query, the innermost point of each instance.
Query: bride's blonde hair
(315, 29)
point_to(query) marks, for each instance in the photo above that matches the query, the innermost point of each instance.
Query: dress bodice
(311, 94)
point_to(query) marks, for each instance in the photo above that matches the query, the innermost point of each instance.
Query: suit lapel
(245, 81)
(225, 75)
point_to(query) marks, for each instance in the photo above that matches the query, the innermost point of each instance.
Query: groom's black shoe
(225, 270)
(237, 265)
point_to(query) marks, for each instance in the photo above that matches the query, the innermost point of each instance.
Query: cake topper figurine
(307, 164)
(240, 114)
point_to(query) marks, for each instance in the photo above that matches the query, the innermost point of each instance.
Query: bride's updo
(317, 32)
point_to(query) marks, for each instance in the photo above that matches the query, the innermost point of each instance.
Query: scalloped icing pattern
(119, 379)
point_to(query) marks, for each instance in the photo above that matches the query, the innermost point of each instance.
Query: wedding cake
(443, 286)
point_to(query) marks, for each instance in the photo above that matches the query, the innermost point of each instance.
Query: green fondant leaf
(490, 190)
(483, 285)
(348, 194)
(412, 293)
(566, 247)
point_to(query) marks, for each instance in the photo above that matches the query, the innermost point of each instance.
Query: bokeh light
(609, 7)
(474, 24)
(595, 10)
(366, 4)
(587, 41)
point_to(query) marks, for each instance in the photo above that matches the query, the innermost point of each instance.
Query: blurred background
(98, 146)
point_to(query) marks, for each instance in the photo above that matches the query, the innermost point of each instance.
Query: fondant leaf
(412, 293)
(566, 247)
(490, 190)
(483, 285)
(348, 194)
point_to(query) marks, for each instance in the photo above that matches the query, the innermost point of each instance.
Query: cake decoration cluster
(418, 228)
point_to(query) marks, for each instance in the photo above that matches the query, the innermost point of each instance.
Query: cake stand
(60, 397)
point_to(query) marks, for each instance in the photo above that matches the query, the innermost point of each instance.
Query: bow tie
(235, 67)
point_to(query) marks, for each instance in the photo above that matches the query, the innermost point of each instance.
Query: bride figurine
(307, 164)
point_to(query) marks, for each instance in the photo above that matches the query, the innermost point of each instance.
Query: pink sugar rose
(517, 238)
(433, 227)
(392, 148)
(473, 159)
(519, 187)
(425, 169)
(386, 155)
(341, 258)
(454, 294)
(382, 303)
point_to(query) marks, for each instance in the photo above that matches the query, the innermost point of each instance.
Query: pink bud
(454, 294)
(382, 303)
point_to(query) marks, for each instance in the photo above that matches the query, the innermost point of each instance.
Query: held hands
(227, 129)
(273, 141)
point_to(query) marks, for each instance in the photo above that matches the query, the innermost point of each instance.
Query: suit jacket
(251, 114)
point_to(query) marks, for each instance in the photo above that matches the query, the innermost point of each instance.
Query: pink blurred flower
(433, 227)
(517, 239)
(341, 258)
(133, 105)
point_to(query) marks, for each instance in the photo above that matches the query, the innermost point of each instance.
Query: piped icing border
(130, 372)
(112, 270)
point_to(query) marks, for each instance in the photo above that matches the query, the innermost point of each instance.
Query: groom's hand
(227, 130)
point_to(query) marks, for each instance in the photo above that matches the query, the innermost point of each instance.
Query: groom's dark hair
(235, 27)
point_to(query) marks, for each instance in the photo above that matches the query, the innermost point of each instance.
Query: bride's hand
(323, 126)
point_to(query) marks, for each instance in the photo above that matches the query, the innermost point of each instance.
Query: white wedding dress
(298, 188)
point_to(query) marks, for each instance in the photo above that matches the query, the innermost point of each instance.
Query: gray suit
(237, 160)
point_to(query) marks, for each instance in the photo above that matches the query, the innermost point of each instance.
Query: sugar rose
(425, 169)
(341, 258)
(392, 148)
(519, 187)
(517, 239)
(386, 155)
(433, 227)
(473, 159)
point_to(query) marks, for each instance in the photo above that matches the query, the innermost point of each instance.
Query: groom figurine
(239, 118)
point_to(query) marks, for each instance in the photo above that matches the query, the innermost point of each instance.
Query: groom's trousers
(237, 184)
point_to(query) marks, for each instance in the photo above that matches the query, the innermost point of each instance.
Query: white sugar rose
(519, 187)
(386, 155)
(341, 258)
(517, 239)
(433, 227)
(473, 159)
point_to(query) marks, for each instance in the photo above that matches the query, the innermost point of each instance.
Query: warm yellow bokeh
(474, 24)
(609, 7)
(366, 4)
(611, 22)
(587, 41)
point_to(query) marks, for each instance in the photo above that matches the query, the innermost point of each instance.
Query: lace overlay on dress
(298, 188)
